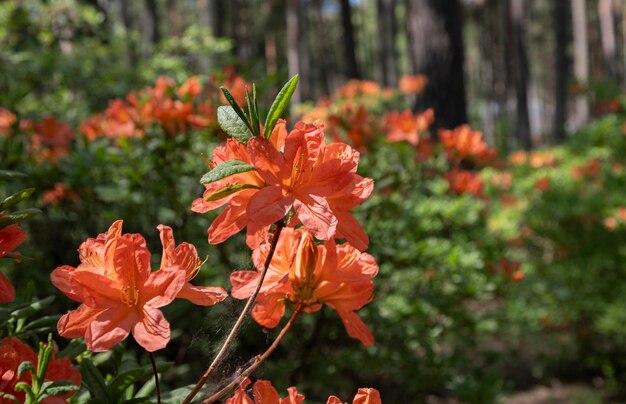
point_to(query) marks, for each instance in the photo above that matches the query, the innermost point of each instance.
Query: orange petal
(315, 214)
(153, 331)
(7, 291)
(367, 396)
(264, 392)
(268, 310)
(161, 288)
(75, 323)
(244, 283)
(356, 327)
(230, 221)
(334, 400)
(202, 295)
(110, 327)
(269, 205)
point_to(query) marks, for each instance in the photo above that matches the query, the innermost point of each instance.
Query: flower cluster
(318, 180)
(11, 237)
(307, 275)
(404, 126)
(120, 294)
(264, 392)
(13, 352)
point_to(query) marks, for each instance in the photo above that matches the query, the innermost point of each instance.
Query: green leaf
(18, 216)
(92, 379)
(233, 124)
(226, 169)
(73, 349)
(9, 175)
(137, 400)
(31, 308)
(279, 105)
(236, 107)
(228, 190)
(42, 322)
(177, 395)
(58, 388)
(16, 198)
(26, 366)
(119, 385)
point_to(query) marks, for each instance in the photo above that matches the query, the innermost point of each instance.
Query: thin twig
(233, 332)
(257, 361)
(156, 377)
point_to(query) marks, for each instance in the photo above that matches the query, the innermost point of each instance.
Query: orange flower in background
(7, 120)
(517, 158)
(50, 139)
(59, 194)
(404, 126)
(302, 177)
(264, 393)
(541, 158)
(412, 84)
(11, 236)
(590, 169)
(234, 217)
(307, 274)
(543, 184)
(119, 292)
(465, 143)
(365, 395)
(462, 182)
(502, 180)
(13, 352)
(236, 85)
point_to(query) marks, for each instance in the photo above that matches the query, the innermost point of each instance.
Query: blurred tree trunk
(581, 61)
(173, 18)
(522, 128)
(607, 35)
(386, 68)
(304, 81)
(352, 67)
(242, 27)
(128, 21)
(325, 57)
(293, 57)
(271, 64)
(561, 69)
(436, 50)
(155, 21)
(207, 14)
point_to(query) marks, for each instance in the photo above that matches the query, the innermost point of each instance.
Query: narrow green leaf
(9, 175)
(26, 366)
(92, 379)
(279, 105)
(42, 322)
(58, 388)
(226, 169)
(257, 128)
(18, 216)
(233, 124)
(73, 349)
(32, 308)
(228, 190)
(254, 118)
(236, 107)
(16, 198)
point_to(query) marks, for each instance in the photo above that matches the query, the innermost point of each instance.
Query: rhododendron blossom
(119, 292)
(11, 236)
(50, 139)
(404, 126)
(465, 143)
(463, 182)
(13, 352)
(317, 180)
(264, 393)
(7, 120)
(363, 396)
(309, 275)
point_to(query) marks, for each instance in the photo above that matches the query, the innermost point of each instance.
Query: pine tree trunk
(386, 68)
(155, 21)
(436, 50)
(522, 130)
(607, 35)
(293, 57)
(561, 70)
(352, 67)
(581, 61)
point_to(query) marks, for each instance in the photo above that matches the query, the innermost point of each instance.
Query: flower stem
(257, 361)
(156, 377)
(246, 309)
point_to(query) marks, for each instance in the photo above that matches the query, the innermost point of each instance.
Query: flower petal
(315, 214)
(202, 295)
(269, 309)
(75, 323)
(356, 327)
(269, 205)
(367, 396)
(161, 288)
(110, 327)
(7, 291)
(264, 392)
(153, 331)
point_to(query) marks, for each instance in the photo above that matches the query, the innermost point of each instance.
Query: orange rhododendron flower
(264, 393)
(13, 352)
(364, 395)
(465, 143)
(462, 182)
(302, 178)
(51, 138)
(317, 180)
(404, 126)
(119, 292)
(60, 193)
(412, 84)
(11, 236)
(7, 120)
(307, 274)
